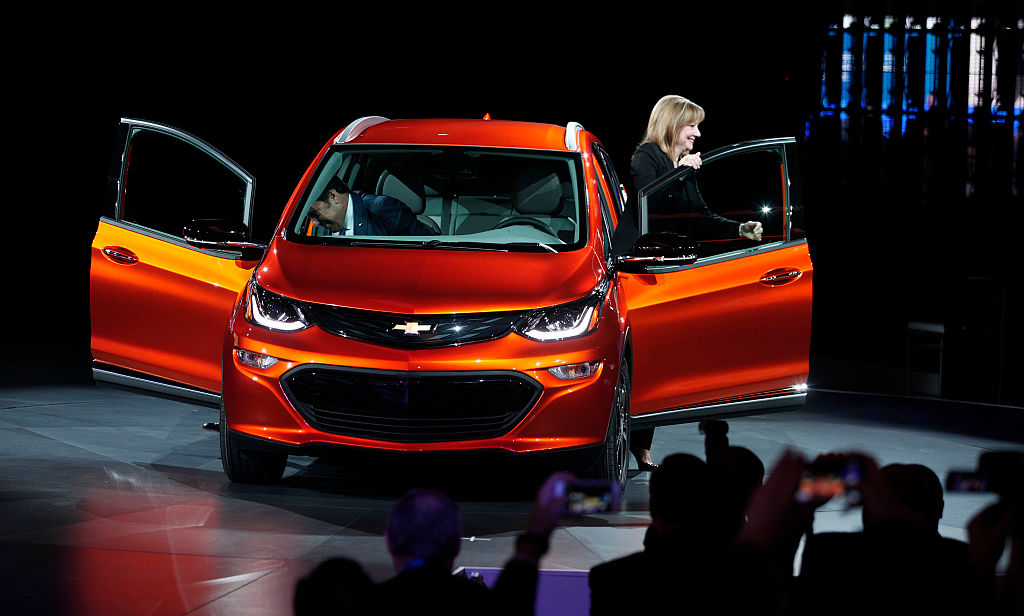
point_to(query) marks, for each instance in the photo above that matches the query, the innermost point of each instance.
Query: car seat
(409, 190)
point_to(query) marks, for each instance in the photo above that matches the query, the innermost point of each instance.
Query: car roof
(462, 132)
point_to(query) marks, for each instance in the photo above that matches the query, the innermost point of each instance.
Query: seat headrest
(408, 191)
(538, 190)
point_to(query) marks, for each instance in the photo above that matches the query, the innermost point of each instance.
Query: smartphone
(587, 497)
(831, 478)
(996, 473)
(968, 481)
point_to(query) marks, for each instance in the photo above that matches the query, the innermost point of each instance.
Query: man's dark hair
(917, 487)
(425, 523)
(337, 185)
(681, 491)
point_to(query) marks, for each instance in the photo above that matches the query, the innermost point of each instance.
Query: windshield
(441, 197)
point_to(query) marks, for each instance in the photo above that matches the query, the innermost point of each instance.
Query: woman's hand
(690, 160)
(751, 230)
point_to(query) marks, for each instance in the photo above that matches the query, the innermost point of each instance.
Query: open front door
(732, 330)
(159, 306)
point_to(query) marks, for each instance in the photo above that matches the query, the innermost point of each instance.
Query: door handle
(121, 255)
(780, 276)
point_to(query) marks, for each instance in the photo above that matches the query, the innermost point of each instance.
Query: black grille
(415, 331)
(410, 406)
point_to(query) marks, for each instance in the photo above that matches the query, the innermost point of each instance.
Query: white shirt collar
(349, 219)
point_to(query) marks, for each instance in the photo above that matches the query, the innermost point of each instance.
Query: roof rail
(356, 128)
(572, 130)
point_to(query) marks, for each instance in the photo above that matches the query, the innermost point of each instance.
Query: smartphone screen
(966, 481)
(836, 479)
(590, 497)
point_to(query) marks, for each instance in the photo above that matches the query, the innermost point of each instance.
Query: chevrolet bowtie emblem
(412, 328)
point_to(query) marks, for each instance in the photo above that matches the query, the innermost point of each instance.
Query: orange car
(449, 285)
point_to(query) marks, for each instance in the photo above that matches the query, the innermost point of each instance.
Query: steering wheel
(511, 221)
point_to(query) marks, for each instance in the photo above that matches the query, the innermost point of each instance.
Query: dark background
(894, 235)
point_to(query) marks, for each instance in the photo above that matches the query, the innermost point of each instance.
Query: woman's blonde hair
(668, 117)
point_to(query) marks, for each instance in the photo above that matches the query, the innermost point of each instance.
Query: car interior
(466, 193)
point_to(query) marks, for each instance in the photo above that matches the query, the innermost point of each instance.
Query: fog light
(575, 371)
(255, 360)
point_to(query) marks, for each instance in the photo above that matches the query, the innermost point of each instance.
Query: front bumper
(327, 393)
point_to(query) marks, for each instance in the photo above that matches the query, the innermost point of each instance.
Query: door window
(167, 182)
(709, 204)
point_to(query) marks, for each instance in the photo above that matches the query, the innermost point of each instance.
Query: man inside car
(342, 211)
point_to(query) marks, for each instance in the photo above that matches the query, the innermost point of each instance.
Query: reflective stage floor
(114, 502)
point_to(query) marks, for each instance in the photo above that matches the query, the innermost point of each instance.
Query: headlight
(565, 321)
(273, 311)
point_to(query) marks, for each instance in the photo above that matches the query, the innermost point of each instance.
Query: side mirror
(221, 234)
(661, 249)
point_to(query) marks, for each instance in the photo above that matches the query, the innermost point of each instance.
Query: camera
(995, 473)
(831, 477)
(586, 497)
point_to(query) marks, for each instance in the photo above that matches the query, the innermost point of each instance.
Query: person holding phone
(424, 535)
(898, 563)
(683, 557)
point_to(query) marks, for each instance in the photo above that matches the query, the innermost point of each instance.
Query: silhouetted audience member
(989, 531)
(335, 586)
(761, 562)
(681, 563)
(736, 474)
(424, 534)
(899, 563)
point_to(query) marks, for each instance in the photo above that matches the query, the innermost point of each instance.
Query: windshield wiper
(460, 246)
(431, 244)
(532, 245)
(443, 245)
(382, 244)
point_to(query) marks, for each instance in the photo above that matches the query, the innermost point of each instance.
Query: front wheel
(612, 462)
(247, 466)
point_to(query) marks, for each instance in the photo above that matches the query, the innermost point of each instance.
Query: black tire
(613, 461)
(248, 466)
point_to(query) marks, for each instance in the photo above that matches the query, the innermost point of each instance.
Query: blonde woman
(672, 132)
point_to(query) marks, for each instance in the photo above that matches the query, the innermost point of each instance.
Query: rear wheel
(248, 466)
(612, 462)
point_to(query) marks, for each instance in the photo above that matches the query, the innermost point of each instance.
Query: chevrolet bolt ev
(499, 321)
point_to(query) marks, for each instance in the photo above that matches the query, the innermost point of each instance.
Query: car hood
(427, 281)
